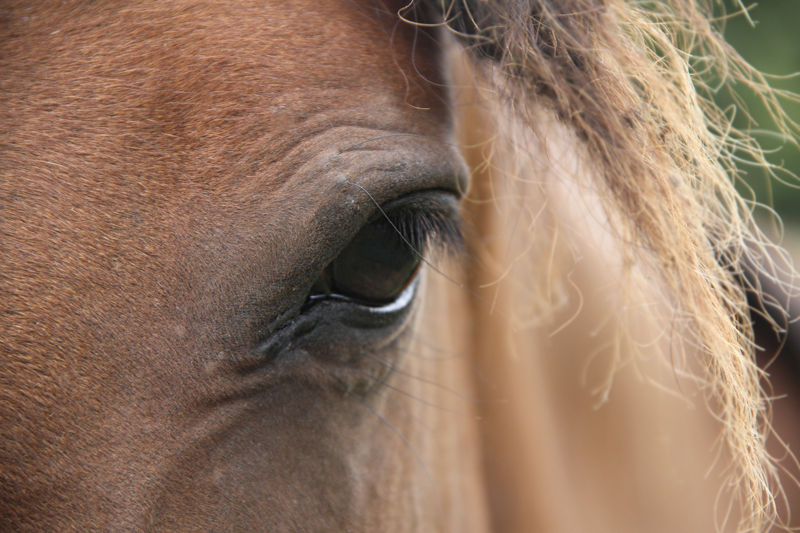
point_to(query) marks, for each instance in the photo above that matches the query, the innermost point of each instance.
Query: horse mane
(634, 82)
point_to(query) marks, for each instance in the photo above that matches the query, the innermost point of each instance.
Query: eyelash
(427, 227)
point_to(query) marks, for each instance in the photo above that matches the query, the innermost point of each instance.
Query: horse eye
(374, 268)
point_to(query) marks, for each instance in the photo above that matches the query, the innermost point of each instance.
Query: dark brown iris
(374, 268)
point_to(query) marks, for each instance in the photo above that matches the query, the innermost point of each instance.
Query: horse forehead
(290, 37)
(202, 90)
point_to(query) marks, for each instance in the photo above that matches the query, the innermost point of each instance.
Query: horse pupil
(375, 267)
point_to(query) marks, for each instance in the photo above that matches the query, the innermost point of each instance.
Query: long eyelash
(426, 228)
(462, 246)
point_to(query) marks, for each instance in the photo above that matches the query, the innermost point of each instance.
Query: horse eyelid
(428, 224)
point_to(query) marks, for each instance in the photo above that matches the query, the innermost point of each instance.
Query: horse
(368, 265)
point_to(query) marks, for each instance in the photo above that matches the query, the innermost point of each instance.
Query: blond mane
(634, 81)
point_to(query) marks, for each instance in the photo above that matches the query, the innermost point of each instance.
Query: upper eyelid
(426, 222)
(426, 228)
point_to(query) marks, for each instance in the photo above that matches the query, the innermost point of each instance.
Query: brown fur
(173, 177)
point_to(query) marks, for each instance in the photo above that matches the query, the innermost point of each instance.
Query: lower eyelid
(403, 300)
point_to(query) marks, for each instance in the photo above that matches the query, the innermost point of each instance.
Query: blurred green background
(772, 46)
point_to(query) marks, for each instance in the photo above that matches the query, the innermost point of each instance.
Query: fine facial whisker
(435, 348)
(405, 393)
(453, 355)
(413, 450)
(419, 355)
(395, 369)
(386, 398)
